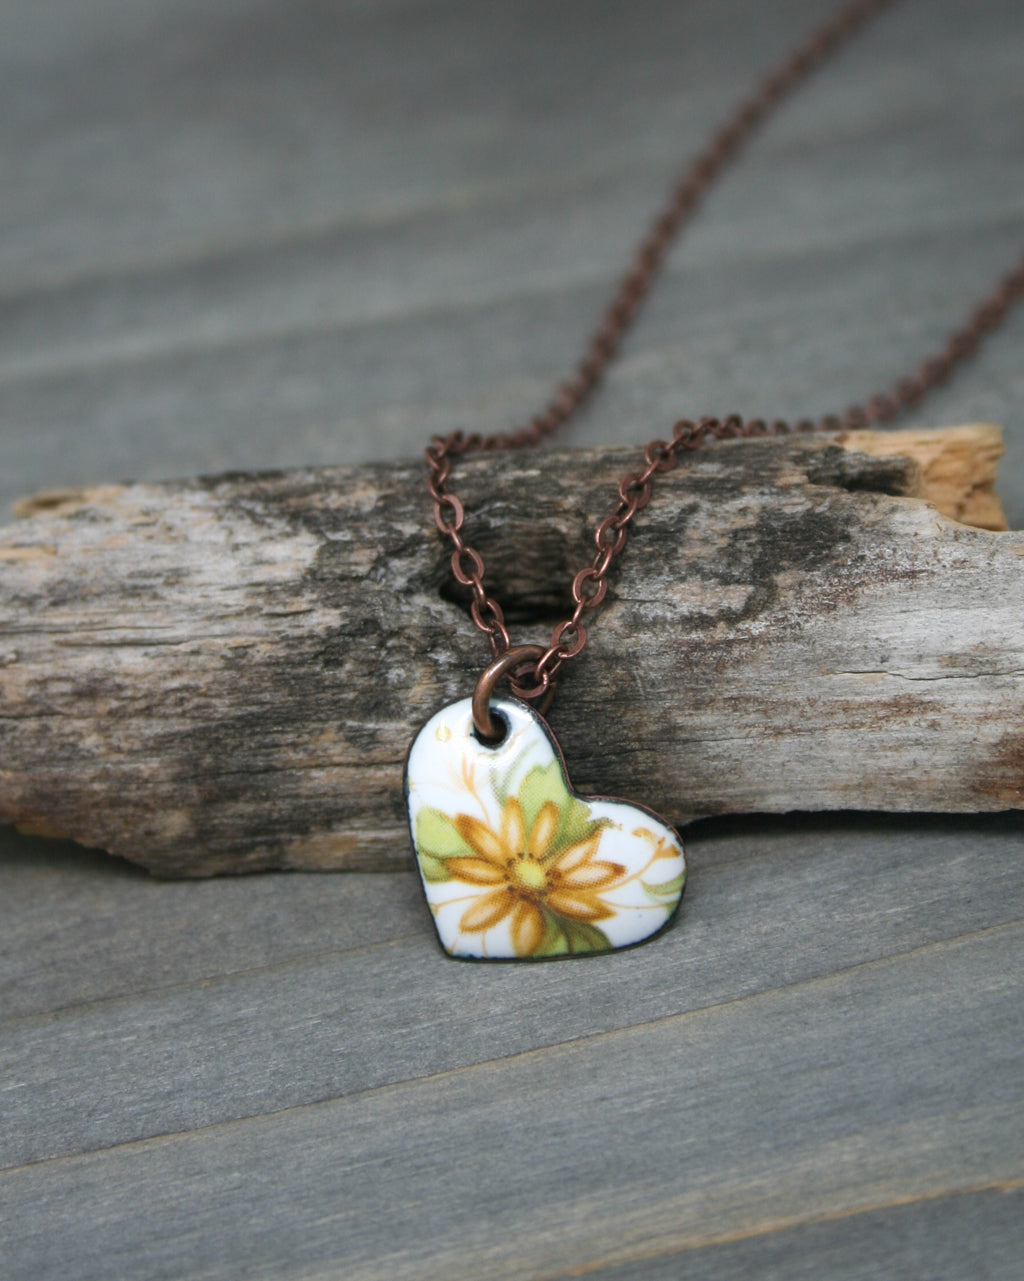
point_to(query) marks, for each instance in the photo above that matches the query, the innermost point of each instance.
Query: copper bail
(489, 677)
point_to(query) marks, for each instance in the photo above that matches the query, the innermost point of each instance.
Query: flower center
(527, 875)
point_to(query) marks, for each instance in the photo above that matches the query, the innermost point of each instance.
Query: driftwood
(224, 674)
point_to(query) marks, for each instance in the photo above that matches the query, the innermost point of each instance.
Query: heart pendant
(514, 863)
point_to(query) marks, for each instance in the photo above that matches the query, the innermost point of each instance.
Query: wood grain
(232, 1036)
(224, 675)
(866, 1117)
(200, 274)
(972, 1233)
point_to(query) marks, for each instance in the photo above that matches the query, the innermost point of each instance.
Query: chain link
(590, 585)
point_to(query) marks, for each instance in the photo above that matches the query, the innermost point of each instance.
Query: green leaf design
(499, 781)
(546, 783)
(577, 825)
(542, 784)
(563, 937)
(432, 869)
(437, 836)
(554, 942)
(666, 889)
(585, 938)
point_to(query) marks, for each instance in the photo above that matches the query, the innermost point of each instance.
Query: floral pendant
(515, 864)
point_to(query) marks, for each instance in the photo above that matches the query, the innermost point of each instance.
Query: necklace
(514, 863)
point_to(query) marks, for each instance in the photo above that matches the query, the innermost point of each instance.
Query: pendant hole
(501, 721)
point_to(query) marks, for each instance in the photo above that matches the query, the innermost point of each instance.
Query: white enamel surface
(450, 771)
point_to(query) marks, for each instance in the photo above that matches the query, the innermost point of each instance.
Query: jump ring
(489, 677)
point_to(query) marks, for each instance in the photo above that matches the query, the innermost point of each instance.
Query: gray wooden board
(261, 233)
(269, 234)
(774, 910)
(978, 1234)
(830, 1095)
(165, 1057)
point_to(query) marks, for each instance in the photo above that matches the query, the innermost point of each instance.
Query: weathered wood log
(224, 674)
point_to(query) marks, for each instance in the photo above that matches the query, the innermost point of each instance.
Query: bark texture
(224, 674)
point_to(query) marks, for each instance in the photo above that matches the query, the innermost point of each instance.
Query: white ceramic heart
(514, 863)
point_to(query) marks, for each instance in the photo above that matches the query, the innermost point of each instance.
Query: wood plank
(324, 142)
(717, 336)
(766, 908)
(755, 1115)
(976, 1234)
(225, 675)
(78, 926)
(258, 330)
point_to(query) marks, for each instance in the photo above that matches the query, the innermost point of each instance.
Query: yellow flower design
(514, 863)
(543, 879)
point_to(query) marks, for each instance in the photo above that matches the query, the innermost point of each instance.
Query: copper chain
(591, 583)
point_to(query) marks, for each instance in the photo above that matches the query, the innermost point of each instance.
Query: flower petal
(475, 871)
(513, 832)
(587, 876)
(543, 784)
(478, 835)
(583, 852)
(578, 905)
(437, 835)
(544, 830)
(488, 910)
(527, 928)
